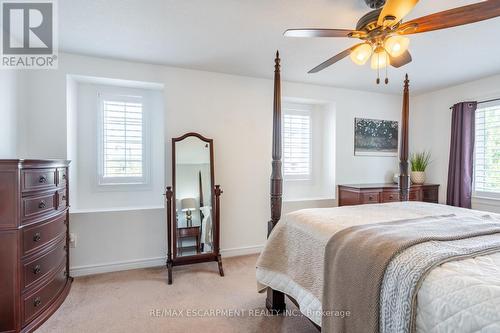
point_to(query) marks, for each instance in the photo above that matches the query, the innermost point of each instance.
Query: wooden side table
(189, 232)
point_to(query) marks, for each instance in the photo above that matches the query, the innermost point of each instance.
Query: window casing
(297, 142)
(123, 141)
(487, 152)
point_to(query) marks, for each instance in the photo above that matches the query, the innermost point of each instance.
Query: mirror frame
(207, 256)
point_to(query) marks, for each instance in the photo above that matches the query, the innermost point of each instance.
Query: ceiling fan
(382, 31)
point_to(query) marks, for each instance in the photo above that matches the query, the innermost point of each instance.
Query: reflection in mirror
(193, 196)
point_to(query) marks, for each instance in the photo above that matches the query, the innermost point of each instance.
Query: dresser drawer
(39, 300)
(34, 237)
(370, 197)
(62, 198)
(430, 194)
(62, 177)
(47, 263)
(39, 205)
(415, 195)
(390, 196)
(38, 179)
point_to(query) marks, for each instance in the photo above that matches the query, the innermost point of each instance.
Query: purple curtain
(460, 170)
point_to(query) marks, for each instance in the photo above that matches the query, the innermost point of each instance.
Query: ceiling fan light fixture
(380, 59)
(396, 45)
(361, 54)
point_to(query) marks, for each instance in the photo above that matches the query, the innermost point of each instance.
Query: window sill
(111, 210)
(123, 187)
(308, 199)
(297, 179)
(488, 201)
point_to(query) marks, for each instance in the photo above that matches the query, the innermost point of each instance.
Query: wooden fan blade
(400, 61)
(323, 33)
(333, 59)
(394, 11)
(451, 18)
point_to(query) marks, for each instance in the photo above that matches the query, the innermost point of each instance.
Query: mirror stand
(193, 204)
(178, 261)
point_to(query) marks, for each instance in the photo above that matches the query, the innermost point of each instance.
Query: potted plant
(419, 162)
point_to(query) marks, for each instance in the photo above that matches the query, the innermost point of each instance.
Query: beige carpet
(124, 301)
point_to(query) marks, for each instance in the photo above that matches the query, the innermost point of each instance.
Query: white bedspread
(462, 296)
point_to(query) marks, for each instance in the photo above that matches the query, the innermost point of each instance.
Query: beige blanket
(293, 257)
(356, 259)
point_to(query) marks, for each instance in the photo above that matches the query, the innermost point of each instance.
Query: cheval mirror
(193, 205)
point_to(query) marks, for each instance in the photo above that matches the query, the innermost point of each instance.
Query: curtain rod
(487, 101)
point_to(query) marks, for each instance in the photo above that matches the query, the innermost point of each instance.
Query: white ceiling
(241, 37)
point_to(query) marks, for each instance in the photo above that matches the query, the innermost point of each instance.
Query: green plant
(420, 161)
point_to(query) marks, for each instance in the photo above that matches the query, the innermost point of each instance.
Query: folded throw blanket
(356, 259)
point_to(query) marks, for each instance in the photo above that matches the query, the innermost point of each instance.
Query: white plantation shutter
(297, 142)
(487, 151)
(122, 144)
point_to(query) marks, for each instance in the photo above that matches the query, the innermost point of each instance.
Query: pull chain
(386, 77)
(378, 69)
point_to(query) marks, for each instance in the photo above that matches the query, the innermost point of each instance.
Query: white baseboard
(151, 262)
(241, 251)
(116, 266)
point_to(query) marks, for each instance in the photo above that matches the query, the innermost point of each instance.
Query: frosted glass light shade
(361, 54)
(380, 59)
(396, 45)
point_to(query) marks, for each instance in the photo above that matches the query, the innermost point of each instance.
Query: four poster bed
(362, 268)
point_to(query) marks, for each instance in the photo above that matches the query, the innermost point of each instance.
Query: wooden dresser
(34, 239)
(359, 194)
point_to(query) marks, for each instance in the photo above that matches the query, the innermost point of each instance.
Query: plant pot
(417, 177)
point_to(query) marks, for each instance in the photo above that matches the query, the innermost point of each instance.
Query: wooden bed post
(275, 301)
(404, 178)
(168, 194)
(276, 177)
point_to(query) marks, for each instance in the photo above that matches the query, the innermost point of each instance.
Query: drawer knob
(37, 269)
(391, 197)
(42, 204)
(37, 237)
(42, 180)
(64, 198)
(37, 302)
(64, 176)
(370, 198)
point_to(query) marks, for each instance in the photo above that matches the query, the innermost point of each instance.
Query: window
(487, 152)
(297, 141)
(122, 155)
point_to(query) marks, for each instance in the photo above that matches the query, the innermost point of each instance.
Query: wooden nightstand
(188, 232)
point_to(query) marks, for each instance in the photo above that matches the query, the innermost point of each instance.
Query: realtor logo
(29, 38)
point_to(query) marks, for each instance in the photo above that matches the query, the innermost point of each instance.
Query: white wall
(9, 84)
(236, 112)
(430, 128)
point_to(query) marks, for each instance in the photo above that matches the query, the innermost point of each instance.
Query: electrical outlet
(72, 240)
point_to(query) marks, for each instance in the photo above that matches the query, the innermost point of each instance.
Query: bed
(446, 281)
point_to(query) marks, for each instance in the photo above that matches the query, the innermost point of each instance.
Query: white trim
(119, 183)
(483, 194)
(304, 110)
(116, 266)
(151, 262)
(117, 83)
(112, 210)
(309, 199)
(486, 201)
(241, 251)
